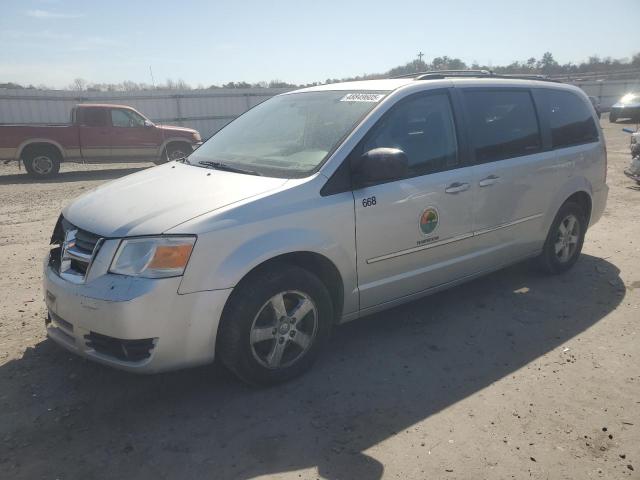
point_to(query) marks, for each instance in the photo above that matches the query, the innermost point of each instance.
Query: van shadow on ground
(380, 375)
(20, 177)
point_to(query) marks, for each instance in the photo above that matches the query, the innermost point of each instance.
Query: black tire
(174, 151)
(42, 162)
(553, 262)
(247, 306)
(612, 118)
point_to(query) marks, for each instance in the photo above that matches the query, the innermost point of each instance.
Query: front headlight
(152, 257)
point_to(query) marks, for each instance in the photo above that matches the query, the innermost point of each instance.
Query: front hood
(172, 129)
(633, 104)
(154, 200)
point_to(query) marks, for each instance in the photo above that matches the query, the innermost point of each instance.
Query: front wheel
(174, 151)
(275, 325)
(565, 238)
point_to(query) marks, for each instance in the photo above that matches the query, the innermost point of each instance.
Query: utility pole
(420, 55)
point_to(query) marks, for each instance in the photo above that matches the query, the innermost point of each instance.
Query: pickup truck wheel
(564, 240)
(42, 163)
(174, 151)
(275, 325)
(612, 118)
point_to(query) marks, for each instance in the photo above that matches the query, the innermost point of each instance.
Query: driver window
(125, 118)
(423, 128)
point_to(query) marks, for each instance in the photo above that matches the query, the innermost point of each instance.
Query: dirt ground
(516, 375)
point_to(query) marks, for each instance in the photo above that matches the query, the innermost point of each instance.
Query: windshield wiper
(227, 168)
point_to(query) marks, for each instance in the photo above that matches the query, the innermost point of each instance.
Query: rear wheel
(275, 325)
(612, 118)
(565, 238)
(42, 162)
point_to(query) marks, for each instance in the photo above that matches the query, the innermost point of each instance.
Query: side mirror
(148, 124)
(380, 165)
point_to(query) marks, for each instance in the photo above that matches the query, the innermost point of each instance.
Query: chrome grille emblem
(75, 252)
(69, 242)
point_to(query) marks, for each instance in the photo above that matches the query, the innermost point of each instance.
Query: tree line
(545, 65)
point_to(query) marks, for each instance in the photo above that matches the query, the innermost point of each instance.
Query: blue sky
(203, 42)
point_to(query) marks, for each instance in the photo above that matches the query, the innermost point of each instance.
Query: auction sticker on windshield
(362, 97)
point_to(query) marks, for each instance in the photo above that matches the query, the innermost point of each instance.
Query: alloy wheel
(284, 329)
(567, 238)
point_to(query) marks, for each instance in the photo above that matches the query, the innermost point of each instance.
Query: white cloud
(51, 15)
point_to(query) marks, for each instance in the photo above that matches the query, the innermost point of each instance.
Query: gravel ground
(516, 375)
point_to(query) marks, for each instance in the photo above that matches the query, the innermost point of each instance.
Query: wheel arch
(577, 189)
(583, 199)
(169, 141)
(40, 143)
(313, 262)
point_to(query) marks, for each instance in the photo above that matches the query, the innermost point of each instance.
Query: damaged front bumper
(135, 324)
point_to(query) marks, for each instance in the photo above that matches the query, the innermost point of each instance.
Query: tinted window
(570, 118)
(423, 129)
(502, 124)
(94, 117)
(126, 118)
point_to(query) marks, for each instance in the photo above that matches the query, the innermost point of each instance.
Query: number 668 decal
(368, 202)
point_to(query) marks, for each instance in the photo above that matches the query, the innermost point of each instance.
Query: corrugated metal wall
(608, 91)
(205, 110)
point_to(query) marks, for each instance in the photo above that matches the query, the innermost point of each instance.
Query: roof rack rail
(441, 74)
(525, 76)
(446, 73)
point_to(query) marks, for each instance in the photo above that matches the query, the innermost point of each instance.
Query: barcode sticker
(362, 97)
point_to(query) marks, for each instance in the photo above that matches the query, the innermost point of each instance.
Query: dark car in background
(627, 107)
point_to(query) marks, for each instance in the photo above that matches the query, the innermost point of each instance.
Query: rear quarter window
(570, 118)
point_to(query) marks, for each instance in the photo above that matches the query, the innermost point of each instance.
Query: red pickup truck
(97, 134)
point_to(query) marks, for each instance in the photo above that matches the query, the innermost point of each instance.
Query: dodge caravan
(320, 206)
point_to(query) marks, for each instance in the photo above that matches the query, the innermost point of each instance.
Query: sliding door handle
(490, 180)
(457, 187)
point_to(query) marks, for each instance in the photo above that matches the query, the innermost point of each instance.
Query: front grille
(74, 250)
(126, 350)
(86, 241)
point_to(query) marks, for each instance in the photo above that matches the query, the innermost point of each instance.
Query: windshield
(287, 136)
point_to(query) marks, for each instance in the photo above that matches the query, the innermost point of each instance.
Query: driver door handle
(490, 180)
(457, 187)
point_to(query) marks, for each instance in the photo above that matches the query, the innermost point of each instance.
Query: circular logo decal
(429, 221)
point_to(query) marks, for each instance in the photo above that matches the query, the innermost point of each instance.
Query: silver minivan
(320, 206)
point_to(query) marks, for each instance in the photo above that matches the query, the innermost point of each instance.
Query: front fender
(244, 257)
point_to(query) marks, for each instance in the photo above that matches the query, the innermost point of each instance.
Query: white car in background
(320, 206)
(627, 107)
